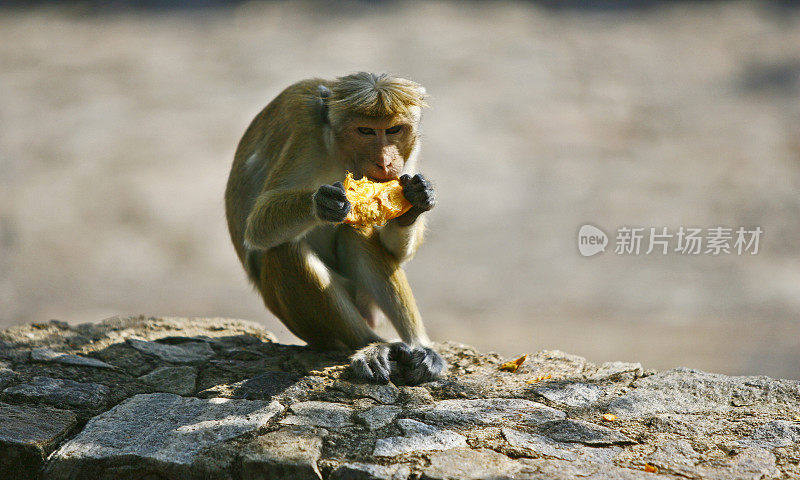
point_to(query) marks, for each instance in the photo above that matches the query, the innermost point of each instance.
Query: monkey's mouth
(383, 175)
(382, 178)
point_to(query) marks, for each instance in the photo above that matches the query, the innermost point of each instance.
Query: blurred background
(119, 120)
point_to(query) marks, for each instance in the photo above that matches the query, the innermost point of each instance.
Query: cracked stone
(365, 471)
(378, 416)
(539, 444)
(467, 464)
(774, 434)
(187, 352)
(578, 431)
(27, 435)
(490, 411)
(573, 394)
(263, 386)
(179, 380)
(287, 453)
(684, 390)
(749, 464)
(6, 377)
(676, 456)
(386, 394)
(47, 355)
(59, 392)
(617, 372)
(131, 436)
(319, 414)
(418, 437)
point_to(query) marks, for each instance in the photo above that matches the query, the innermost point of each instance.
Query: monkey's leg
(375, 271)
(311, 299)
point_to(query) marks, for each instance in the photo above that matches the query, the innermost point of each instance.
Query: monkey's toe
(426, 365)
(371, 363)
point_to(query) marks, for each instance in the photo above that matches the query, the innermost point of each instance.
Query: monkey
(327, 281)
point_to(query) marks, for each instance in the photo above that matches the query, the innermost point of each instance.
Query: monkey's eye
(393, 130)
(366, 131)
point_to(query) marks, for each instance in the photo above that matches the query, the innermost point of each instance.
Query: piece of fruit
(373, 203)
(540, 378)
(513, 365)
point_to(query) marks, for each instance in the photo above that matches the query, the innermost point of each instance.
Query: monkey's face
(376, 147)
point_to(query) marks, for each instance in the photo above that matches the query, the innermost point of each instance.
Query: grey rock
(133, 437)
(749, 464)
(187, 352)
(676, 456)
(415, 396)
(539, 444)
(59, 392)
(386, 394)
(572, 394)
(263, 386)
(47, 355)
(6, 377)
(287, 453)
(418, 437)
(378, 416)
(467, 464)
(692, 391)
(365, 471)
(179, 380)
(27, 435)
(777, 433)
(554, 469)
(489, 411)
(320, 414)
(617, 372)
(578, 431)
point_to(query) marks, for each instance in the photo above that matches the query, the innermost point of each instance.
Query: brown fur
(322, 279)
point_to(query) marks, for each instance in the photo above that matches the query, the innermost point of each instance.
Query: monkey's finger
(336, 207)
(404, 179)
(400, 352)
(360, 368)
(427, 366)
(419, 178)
(380, 368)
(336, 204)
(417, 187)
(338, 185)
(331, 191)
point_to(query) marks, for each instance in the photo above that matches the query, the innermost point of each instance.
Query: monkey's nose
(384, 165)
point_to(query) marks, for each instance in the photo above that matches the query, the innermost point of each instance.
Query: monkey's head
(374, 122)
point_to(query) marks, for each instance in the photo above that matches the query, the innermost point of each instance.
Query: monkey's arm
(402, 235)
(279, 216)
(402, 241)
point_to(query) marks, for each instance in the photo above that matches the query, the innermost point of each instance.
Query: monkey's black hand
(424, 365)
(418, 191)
(375, 362)
(330, 203)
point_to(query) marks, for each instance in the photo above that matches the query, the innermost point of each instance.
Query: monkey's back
(284, 125)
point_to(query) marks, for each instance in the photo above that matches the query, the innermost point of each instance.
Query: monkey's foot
(378, 361)
(424, 365)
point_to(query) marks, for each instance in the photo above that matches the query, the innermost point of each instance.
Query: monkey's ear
(324, 92)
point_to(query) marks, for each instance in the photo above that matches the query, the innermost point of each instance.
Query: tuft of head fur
(376, 95)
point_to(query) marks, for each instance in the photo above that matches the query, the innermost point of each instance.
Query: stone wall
(165, 398)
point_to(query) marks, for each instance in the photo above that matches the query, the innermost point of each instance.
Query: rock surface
(139, 397)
